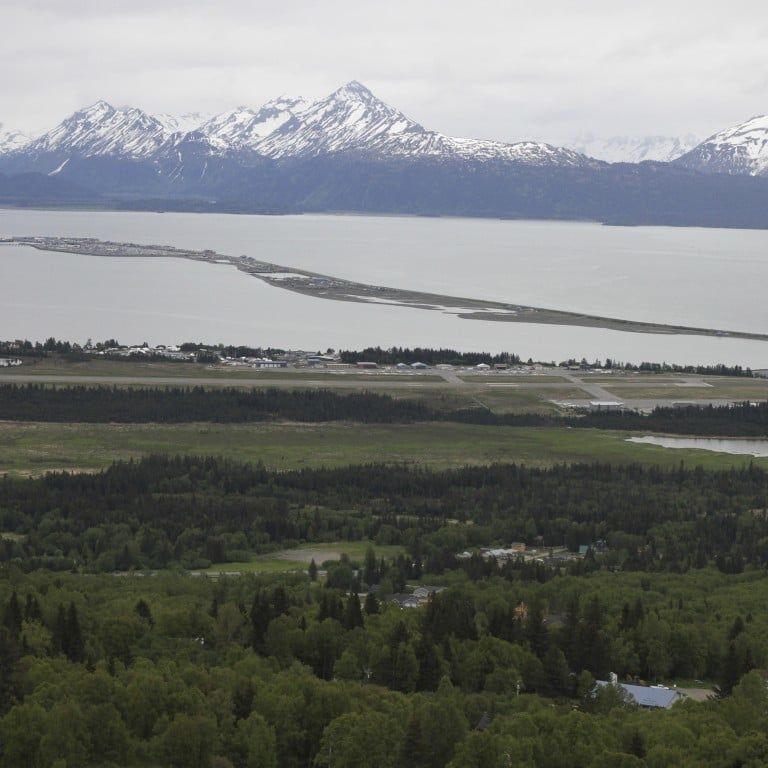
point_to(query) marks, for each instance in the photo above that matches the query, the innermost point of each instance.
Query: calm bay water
(712, 278)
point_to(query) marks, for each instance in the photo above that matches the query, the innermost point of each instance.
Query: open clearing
(34, 448)
(299, 558)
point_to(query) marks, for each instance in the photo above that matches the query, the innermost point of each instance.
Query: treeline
(232, 350)
(261, 673)
(26, 348)
(186, 511)
(427, 355)
(100, 404)
(747, 419)
(704, 370)
(741, 419)
(97, 404)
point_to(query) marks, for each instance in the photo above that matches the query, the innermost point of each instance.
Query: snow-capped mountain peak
(102, 129)
(12, 140)
(741, 149)
(353, 119)
(349, 120)
(243, 128)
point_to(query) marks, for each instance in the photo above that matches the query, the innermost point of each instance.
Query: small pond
(745, 446)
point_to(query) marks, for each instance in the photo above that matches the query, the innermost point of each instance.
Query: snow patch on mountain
(633, 149)
(352, 119)
(12, 140)
(243, 128)
(103, 130)
(739, 150)
(189, 121)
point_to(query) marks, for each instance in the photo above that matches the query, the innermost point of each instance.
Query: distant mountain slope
(628, 149)
(740, 150)
(37, 189)
(650, 193)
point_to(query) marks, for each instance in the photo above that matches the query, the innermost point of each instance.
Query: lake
(703, 277)
(746, 447)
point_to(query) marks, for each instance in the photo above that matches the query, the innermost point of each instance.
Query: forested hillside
(247, 672)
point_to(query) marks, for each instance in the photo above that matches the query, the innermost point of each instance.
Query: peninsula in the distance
(337, 289)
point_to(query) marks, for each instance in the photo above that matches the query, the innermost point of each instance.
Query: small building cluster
(517, 551)
(415, 599)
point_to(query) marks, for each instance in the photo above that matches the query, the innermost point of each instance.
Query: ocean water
(702, 277)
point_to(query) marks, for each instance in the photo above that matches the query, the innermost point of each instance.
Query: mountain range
(634, 149)
(351, 119)
(351, 151)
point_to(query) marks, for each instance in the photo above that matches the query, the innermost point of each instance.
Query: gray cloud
(491, 69)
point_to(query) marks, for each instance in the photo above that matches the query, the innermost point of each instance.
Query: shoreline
(327, 287)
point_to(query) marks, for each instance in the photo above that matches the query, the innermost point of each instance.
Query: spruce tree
(144, 613)
(430, 669)
(353, 615)
(371, 604)
(75, 643)
(412, 749)
(12, 616)
(32, 608)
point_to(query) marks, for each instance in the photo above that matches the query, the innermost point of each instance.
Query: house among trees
(645, 696)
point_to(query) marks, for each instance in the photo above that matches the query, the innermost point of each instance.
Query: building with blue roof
(647, 696)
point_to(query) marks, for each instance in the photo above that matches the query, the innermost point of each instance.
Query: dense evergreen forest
(35, 402)
(99, 404)
(163, 512)
(743, 419)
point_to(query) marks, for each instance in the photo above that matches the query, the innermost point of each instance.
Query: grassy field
(298, 559)
(512, 400)
(32, 449)
(749, 390)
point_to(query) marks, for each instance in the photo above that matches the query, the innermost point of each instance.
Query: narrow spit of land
(337, 289)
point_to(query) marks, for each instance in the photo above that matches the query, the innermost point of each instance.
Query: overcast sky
(503, 70)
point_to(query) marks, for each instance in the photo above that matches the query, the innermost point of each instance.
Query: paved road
(451, 377)
(597, 392)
